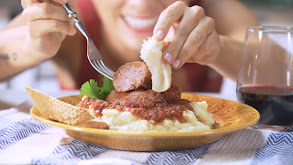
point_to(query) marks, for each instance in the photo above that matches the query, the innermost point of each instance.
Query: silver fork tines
(107, 72)
(94, 56)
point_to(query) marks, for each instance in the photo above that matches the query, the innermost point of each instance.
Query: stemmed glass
(265, 80)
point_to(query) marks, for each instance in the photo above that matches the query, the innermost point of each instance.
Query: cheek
(107, 9)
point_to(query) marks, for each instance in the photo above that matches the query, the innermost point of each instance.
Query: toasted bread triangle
(58, 110)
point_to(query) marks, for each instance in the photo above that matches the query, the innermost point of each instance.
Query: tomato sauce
(158, 113)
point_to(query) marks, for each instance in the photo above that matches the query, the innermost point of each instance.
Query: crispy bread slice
(58, 110)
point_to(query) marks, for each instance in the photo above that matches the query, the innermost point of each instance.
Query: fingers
(191, 35)
(26, 3)
(44, 11)
(46, 16)
(189, 22)
(41, 28)
(195, 41)
(167, 18)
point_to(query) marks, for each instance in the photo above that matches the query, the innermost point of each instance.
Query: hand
(48, 25)
(191, 35)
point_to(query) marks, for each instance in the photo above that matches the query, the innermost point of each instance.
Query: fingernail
(168, 57)
(160, 34)
(64, 1)
(176, 63)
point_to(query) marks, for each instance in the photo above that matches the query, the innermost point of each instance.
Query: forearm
(15, 52)
(228, 62)
(232, 20)
(33, 36)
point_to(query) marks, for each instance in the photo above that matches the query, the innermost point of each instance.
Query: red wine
(275, 104)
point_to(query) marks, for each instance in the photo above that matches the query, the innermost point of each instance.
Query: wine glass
(265, 80)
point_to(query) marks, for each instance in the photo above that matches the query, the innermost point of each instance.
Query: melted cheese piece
(151, 53)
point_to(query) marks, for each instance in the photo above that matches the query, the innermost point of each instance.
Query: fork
(94, 56)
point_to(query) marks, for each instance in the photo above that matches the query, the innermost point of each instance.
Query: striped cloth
(24, 140)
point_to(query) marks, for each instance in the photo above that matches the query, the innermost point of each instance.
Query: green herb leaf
(92, 90)
(107, 88)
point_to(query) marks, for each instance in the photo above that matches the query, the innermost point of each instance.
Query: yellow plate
(230, 115)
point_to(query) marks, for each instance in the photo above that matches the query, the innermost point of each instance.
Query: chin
(135, 43)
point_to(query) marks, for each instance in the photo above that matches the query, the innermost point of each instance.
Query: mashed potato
(197, 120)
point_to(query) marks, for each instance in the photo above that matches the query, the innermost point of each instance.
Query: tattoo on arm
(13, 56)
(4, 57)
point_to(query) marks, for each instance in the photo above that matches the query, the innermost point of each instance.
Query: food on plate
(58, 110)
(140, 99)
(149, 111)
(144, 99)
(132, 76)
(151, 53)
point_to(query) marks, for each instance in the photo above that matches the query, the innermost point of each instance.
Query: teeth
(141, 23)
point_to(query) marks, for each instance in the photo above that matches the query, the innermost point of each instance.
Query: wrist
(228, 61)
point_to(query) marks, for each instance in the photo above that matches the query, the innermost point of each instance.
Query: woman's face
(129, 22)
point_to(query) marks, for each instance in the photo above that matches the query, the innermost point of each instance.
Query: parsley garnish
(92, 90)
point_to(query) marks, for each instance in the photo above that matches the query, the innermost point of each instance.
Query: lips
(141, 23)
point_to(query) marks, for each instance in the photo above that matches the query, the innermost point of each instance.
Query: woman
(207, 32)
